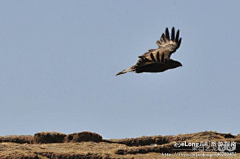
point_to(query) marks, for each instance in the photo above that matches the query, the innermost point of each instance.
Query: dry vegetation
(48, 137)
(83, 136)
(90, 145)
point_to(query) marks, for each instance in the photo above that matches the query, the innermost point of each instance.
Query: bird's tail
(125, 71)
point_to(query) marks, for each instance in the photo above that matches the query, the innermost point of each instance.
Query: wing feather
(167, 44)
(158, 57)
(153, 59)
(179, 42)
(167, 33)
(162, 58)
(173, 34)
(177, 36)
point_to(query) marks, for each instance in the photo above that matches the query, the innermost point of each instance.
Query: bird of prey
(158, 60)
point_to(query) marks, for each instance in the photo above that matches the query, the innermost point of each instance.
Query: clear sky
(58, 61)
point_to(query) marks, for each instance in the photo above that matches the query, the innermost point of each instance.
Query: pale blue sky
(58, 61)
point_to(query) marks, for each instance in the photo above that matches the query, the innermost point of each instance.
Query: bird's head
(173, 64)
(179, 64)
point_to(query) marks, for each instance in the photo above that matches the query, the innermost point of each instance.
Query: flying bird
(158, 60)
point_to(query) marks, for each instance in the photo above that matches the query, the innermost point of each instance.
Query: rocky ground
(54, 145)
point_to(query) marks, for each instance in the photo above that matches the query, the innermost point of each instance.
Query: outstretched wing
(158, 60)
(171, 43)
(167, 45)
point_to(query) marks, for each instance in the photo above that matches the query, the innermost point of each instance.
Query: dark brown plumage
(158, 60)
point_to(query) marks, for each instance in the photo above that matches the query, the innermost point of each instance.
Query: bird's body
(158, 60)
(155, 67)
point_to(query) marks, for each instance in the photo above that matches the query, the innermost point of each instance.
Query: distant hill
(89, 145)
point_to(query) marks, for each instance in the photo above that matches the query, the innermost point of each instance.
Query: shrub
(17, 139)
(84, 136)
(49, 137)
